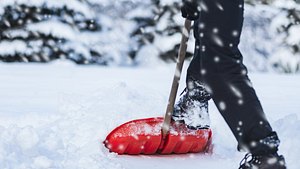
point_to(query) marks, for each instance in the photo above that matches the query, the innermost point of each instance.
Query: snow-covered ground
(55, 116)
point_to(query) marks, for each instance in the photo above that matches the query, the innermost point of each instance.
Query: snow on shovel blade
(144, 136)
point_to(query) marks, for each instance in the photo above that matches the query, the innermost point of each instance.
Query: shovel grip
(176, 79)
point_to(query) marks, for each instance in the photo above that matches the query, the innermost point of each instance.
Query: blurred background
(138, 32)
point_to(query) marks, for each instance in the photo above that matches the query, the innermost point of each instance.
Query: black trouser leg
(218, 64)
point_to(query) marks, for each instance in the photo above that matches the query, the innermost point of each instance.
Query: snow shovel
(160, 135)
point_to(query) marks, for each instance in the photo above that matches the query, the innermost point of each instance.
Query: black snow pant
(218, 64)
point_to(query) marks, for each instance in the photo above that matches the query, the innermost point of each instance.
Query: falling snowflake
(222, 105)
(240, 102)
(121, 147)
(203, 48)
(217, 40)
(215, 30)
(201, 25)
(235, 33)
(217, 59)
(220, 6)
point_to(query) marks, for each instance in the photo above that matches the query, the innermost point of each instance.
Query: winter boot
(270, 161)
(192, 107)
(264, 154)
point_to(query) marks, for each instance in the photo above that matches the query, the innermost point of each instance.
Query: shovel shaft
(176, 79)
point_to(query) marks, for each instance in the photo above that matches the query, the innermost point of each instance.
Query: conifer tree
(41, 31)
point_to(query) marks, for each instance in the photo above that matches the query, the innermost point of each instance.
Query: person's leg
(218, 64)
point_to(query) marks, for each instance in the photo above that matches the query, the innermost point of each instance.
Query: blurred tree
(159, 26)
(269, 40)
(286, 24)
(159, 30)
(41, 31)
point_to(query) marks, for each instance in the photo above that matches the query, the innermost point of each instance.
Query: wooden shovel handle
(176, 79)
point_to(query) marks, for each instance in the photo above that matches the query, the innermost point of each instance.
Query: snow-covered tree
(41, 31)
(269, 40)
(158, 30)
(287, 26)
(159, 23)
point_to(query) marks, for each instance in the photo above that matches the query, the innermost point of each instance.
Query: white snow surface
(56, 116)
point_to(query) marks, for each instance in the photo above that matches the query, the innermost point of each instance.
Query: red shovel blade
(144, 136)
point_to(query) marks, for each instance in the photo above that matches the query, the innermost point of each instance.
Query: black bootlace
(184, 90)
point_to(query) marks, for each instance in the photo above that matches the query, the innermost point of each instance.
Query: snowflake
(201, 25)
(235, 33)
(216, 59)
(121, 147)
(222, 105)
(240, 102)
(220, 6)
(215, 30)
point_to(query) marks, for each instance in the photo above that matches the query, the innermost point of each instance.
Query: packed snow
(57, 116)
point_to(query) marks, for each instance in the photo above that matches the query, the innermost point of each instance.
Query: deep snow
(56, 116)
